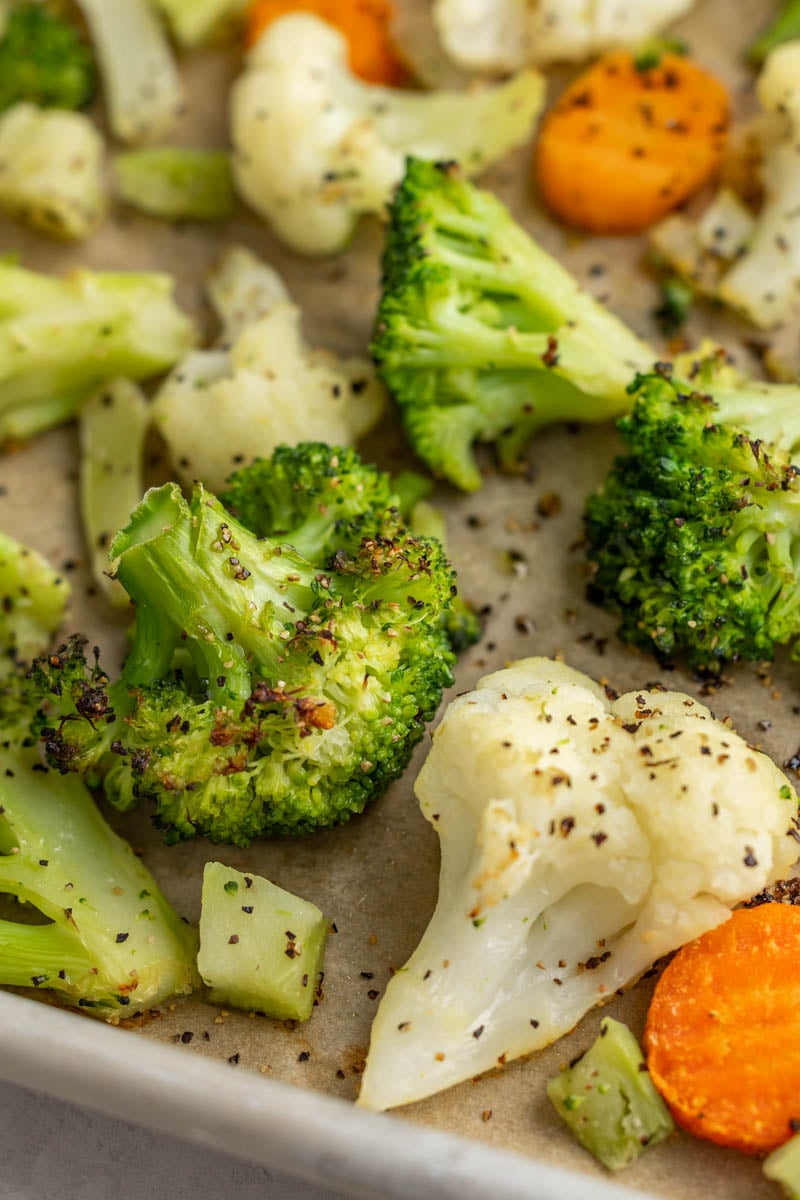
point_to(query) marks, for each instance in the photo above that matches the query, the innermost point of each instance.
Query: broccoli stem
(174, 183)
(114, 945)
(60, 339)
(113, 427)
(784, 27)
(40, 955)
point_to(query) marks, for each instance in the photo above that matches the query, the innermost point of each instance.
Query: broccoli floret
(694, 533)
(44, 60)
(309, 666)
(321, 503)
(483, 337)
(60, 339)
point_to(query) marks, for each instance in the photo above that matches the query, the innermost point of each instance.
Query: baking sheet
(376, 878)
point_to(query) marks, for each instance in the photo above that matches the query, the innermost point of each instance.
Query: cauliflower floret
(51, 170)
(222, 408)
(504, 35)
(315, 147)
(765, 281)
(581, 840)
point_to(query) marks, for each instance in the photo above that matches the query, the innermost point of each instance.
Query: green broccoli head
(44, 60)
(323, 503)
(480, 335)
(304, 681)
(695, 532)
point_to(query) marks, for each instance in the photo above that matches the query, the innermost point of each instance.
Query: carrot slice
(723, 1031)
(365, 24)
(625, 144)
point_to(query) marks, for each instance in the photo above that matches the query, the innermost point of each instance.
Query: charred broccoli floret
(695, 534)
(44, 60)
(481, 336)
(310, 654)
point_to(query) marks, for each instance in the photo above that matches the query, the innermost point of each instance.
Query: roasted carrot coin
(365, 24)
(625, 144)
(723, 1031)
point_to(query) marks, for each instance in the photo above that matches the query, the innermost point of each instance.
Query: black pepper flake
(367, 974)
(186, 1036)
(247, 908)
(476, 1033)
(304, 1056)
(233, 939)
(248, 881)
(750, 859)
(122, 937)
(234, 1059)
(599, 838)
(373, 994)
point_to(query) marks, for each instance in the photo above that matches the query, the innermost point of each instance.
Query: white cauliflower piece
(220, 409)
(504, 35)
(581, 840)
(315, 147)
(51, 170)
(765, 282)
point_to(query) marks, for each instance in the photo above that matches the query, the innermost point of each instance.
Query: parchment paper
(376, 878)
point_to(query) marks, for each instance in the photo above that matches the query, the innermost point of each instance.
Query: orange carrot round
(624, 145)
(365, 24)
(723, 1031)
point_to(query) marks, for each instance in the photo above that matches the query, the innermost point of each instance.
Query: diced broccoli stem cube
(783, 1166)
(261, 948)
(609, 1101)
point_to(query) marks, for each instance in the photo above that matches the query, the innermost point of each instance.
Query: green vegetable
(608, 1099)
(784, 27)
(192, 21)
(483, 337)
(113, 426)
(44, 60)
(694, 532)
(677, 298)
(783, 1166)
(316, 652)
(261, 948)
(60, 339)
(175, 183)
(32, 600)
(105, 939)
(113, 946)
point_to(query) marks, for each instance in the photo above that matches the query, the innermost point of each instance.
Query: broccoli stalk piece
(784, 27)
(481, 336)
(192, 21)
(44, 60)
(609, 1101)
(783, 1167)
(112, 944)
(175, 183)
(694, 533)
(261, 948)
(60, 339)
(312, 656)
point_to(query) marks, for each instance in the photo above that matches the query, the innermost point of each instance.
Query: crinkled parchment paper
(376, 877)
